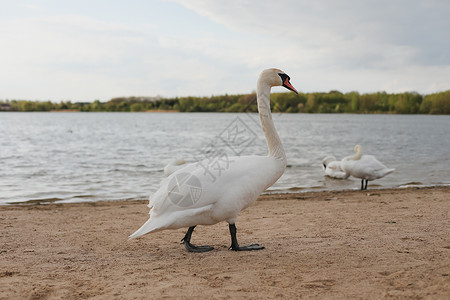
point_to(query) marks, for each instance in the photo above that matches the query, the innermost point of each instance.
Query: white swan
(366, 167)
(174, 166)
(191, 196)
(333, 169)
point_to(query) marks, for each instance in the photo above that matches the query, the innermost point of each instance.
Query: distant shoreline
(162, 111)
(317, 102)
(150, 111)
(224, 112)
(65, 110)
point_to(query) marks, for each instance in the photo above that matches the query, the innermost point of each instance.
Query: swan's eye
(284, 77)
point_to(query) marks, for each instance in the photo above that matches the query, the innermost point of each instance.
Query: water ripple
(73, 157)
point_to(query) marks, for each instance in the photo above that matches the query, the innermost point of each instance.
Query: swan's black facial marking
(284, 77)
(286, 82)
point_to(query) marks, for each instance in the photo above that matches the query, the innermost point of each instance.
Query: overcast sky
(99, 49)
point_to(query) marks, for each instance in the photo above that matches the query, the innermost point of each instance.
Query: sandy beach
(374, 244)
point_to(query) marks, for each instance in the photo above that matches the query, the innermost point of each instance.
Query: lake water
(73, 157)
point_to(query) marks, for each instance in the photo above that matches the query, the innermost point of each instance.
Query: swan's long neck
(356, 156)
(274, 144)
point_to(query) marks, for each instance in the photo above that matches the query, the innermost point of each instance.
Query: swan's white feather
(364, 166)
(203, 194)
(222, 196)
(174, 166)
(367, 167)
(333, 169)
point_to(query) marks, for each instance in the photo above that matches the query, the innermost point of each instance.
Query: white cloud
(357, 27)
(75, 56)
(214, 48)
(393, 44)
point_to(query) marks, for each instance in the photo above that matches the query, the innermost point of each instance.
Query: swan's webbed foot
(235, 245)
(246, 248)
(193, 248)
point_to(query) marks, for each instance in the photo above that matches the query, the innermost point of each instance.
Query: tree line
(331, 102)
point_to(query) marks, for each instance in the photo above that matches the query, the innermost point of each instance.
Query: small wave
(37, 201)
(420, 185)
(412, 183)
(296, 190)
(344, 188)
(84, 196)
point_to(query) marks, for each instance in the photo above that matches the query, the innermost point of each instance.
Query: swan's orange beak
(289, 86)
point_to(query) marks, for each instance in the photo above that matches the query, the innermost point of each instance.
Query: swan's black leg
(367, 181)
(234, 243)
(192, 248)
(362, 184)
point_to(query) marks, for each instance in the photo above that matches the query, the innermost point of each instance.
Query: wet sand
(388, 244)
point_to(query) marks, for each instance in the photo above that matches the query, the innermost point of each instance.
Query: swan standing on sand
(333, 169)
(366, 167)
(189, 197)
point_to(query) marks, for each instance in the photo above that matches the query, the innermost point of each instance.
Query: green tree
(437, 103)
(137, 107)
(311, 103)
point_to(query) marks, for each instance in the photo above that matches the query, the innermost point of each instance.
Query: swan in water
(366, 167)
(190, 196)
(332, 168)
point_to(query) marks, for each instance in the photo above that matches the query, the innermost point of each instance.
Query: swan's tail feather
(146, 228)
(388, 171)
